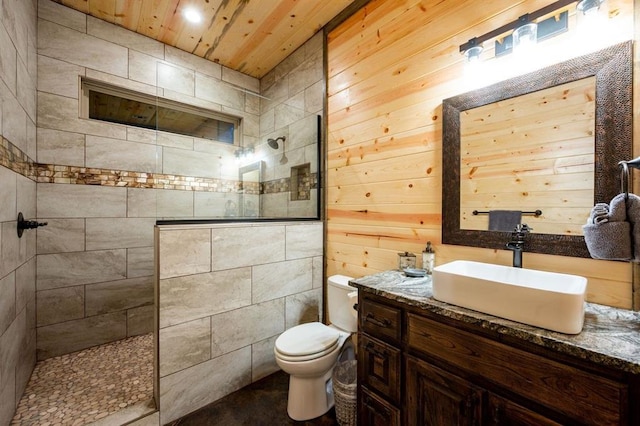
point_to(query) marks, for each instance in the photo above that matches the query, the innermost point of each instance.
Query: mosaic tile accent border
(14, 159)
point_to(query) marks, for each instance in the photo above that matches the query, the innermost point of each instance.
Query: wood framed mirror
(611, 68)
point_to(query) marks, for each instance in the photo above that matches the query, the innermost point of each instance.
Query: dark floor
(261, 403)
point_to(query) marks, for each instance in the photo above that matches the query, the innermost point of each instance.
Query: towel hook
(624, 179)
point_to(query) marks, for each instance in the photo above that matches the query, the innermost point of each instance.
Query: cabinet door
(501, 411)
(436, 397)
(374, 411)
(379, 366)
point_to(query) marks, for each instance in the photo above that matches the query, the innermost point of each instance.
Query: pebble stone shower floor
(90, 385)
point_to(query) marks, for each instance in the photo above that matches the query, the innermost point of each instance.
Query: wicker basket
(344, 392)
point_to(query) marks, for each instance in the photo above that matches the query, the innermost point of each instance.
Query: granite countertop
(609, 337)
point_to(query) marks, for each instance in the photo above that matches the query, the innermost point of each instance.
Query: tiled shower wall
(226, 292)
(95, 258)
(18, 73)
(295, 92)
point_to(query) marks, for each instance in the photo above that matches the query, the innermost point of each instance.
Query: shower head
(273, 143)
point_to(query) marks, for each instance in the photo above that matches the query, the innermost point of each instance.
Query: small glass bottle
(428, 258)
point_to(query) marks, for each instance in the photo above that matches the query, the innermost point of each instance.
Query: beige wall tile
(17, 18)
(26, 196)
(61, 113)
(15, 251)
(14, 122)
(196, 296)
(26, 90)
(184, 345)
(245, 246)
(275, 205)
(314, 98)
(7, 301)
(8, 62)
(193, 388)
(118, 295)
(212, 204)
(123, 82)
(25, 284)
(240, 79)
(59, 77)
(10, 342)
(174, 203)
(177, 79)
(59, 305)
(216, 91)
(263, 360)
(120, 154)
(8, 195)
(303, 307)
(245, 326)
(78, 201)
(60, 235)
(141, 320)
(184, 252)
(304, 240)
(81, 49)
(140, 262)
(175, 141)
(287, 114)
(69, 269)
(281, 279)
(141, 202)
(181, 58)
(62, 15)
(190, 163)
(58, 147)
(115, 34)
(136, 134)
(317, 264)
(307, 73)
(108, 233)
(71, 336)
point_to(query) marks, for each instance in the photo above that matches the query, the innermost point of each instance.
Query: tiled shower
(101, 187)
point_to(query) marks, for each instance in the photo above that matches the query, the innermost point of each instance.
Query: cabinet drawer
(379, 367)
(374, 411)
(381, 321)
(578, 394)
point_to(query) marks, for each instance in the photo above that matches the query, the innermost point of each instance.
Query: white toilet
(308, 352)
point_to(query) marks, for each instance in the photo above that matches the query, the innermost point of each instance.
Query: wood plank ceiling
(250, 36)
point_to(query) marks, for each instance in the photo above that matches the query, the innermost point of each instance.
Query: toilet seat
(306, 342)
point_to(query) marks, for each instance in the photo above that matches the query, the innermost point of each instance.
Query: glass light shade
(589, 6)
(525, 36)
(473, 53)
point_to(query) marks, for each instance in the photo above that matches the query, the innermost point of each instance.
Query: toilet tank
(340, 305)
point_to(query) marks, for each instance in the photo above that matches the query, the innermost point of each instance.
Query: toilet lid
(307, 339)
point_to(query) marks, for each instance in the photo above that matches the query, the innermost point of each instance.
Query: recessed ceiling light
(192, 15)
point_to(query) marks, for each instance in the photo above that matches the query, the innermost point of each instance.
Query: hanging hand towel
(609, 241)
(504, 220)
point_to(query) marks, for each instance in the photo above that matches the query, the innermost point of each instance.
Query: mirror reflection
(531, 153)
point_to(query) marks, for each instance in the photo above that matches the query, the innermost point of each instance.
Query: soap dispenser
(428, 258)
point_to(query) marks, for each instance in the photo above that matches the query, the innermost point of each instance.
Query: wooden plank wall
(389, 67)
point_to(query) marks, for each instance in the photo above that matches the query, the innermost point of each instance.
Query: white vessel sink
(542, 299)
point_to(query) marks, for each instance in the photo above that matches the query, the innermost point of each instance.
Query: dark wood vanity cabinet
(416, 367)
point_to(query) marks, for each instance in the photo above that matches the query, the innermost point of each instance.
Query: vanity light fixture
(473, 53)
(244, 153)
(589, 6)
(525, 36)
(525, 28)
